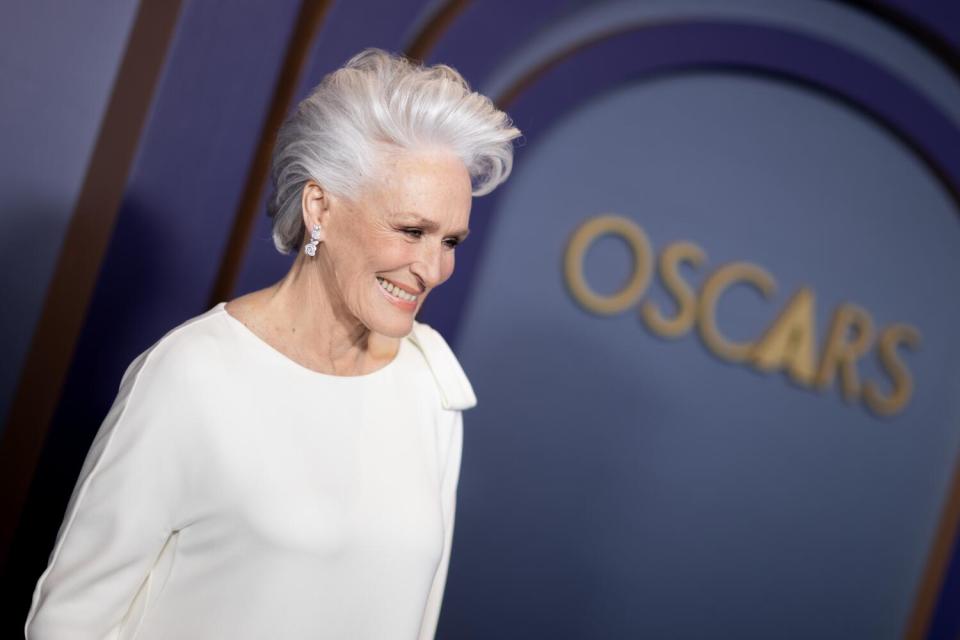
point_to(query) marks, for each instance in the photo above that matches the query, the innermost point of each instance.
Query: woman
(285, 464)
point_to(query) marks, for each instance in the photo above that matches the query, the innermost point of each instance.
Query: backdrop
(711, 319)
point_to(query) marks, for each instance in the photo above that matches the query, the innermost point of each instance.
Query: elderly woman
(285, 464)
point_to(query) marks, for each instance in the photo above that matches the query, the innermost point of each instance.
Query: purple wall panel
(185, 186)
(49, 119)
(822, 66)
(349, 28)
(166, 248)
(481, 38)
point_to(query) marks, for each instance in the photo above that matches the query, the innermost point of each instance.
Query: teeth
(396, 291)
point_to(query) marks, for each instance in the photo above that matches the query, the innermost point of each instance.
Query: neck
(307, 313)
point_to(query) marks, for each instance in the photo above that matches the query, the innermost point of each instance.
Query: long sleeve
(451, 475)
(216, 502)
(122, 510)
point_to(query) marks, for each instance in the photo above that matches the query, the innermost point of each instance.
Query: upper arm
(125, 504)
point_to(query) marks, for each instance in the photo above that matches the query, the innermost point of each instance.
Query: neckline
(267, 347)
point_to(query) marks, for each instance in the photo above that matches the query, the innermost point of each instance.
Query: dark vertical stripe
(312, 13)
(84, 244)
(435, 29)
(938, 562)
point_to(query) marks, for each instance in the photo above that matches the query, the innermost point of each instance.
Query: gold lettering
(715, 285)
(840, 354)
(685, 296)
(902, 382)
(581, 240)
(790, 342)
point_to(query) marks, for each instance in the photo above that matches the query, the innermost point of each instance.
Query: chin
(392, 323)
(397, 328)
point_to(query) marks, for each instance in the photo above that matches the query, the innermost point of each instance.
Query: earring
(311, 247)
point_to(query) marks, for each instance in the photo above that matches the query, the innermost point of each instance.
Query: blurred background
(712, 319)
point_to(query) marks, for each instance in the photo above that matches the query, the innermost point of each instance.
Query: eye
(450, 243)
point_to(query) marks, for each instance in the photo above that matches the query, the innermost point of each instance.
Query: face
(384, 252)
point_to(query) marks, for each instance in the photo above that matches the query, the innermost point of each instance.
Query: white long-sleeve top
(233, 493)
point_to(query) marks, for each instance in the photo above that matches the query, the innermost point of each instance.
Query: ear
(315, 206)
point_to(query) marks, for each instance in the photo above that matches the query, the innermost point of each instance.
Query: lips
(398, 297)
(411, 290)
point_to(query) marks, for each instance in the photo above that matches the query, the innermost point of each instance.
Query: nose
(428, 267)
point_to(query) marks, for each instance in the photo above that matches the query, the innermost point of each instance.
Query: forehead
(432, 184)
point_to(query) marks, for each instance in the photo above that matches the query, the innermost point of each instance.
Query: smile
(396, 291)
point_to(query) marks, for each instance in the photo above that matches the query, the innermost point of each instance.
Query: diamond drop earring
(311, 247)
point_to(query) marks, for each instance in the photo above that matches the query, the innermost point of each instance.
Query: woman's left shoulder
(456, 392)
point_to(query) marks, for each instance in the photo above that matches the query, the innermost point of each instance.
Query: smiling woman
(361, 243)
(286, 463)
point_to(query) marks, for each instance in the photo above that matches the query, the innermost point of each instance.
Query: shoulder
(456, 392)
(184, 355)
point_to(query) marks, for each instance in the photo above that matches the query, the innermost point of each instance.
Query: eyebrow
(429, 224)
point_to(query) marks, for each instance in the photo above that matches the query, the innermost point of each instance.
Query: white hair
(378, 102)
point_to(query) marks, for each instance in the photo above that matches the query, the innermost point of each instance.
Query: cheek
(390, 252)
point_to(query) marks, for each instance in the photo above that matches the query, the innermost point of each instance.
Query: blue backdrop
(615, 482)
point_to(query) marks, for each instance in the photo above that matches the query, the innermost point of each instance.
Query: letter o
(581, 240)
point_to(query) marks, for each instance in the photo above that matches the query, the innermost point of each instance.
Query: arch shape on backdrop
(542, 94)
(922, 113)
(919, 76)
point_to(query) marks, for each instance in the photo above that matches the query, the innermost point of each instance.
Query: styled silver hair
(379, 101)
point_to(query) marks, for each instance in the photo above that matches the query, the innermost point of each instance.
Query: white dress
(233, 493)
